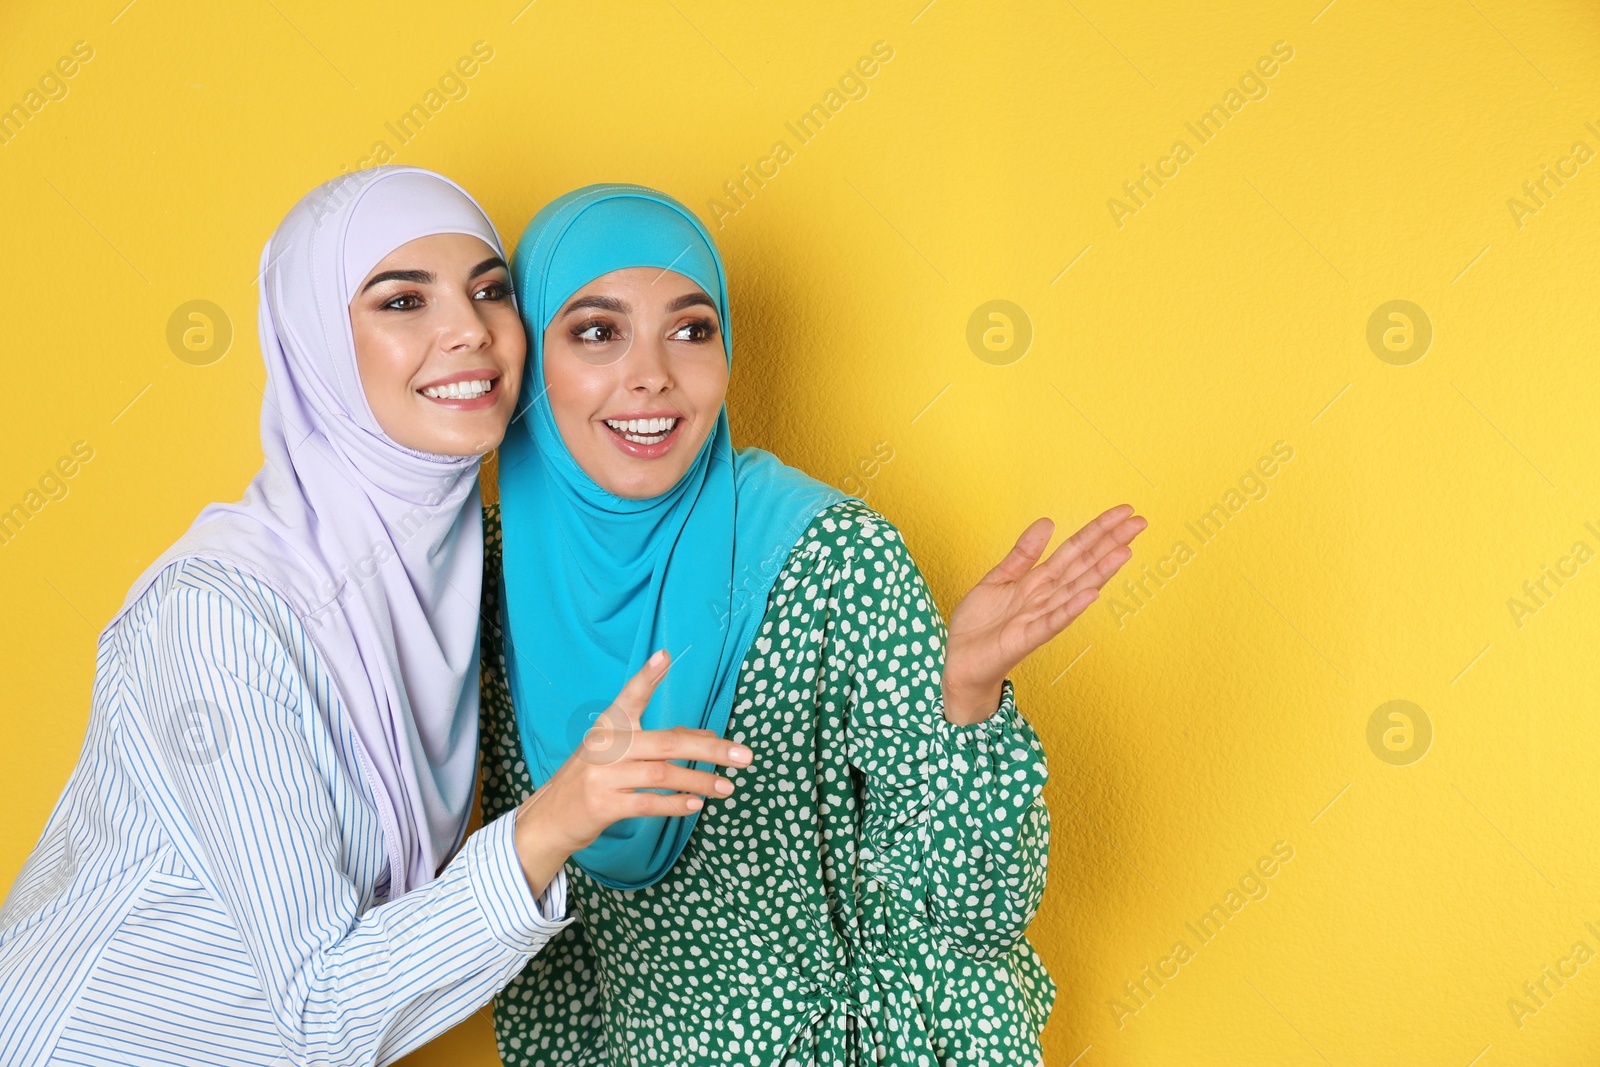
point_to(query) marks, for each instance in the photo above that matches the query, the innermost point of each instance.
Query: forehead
(438, 248)
(644, 288)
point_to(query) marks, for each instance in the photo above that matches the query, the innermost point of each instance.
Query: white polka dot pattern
(861, 898)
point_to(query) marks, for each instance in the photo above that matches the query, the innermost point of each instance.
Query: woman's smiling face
(636, 372)
(439, 345)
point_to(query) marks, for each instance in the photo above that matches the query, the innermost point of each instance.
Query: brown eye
(595, 333)
(698, 332)
(394, 302)
(494, 291)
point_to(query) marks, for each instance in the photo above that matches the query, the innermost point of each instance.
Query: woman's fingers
(1108, 540)
(623, 771)
(692, 746)
(636, 693)
(1096, 572)
(1109, 521)
(663, 775)
(632, 760)
(1054, 608)
(1063, 614)
(627, 788)
(665, 806)
(1024, 554)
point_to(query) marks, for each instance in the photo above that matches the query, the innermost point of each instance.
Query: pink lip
(638, 451)
(623, 416)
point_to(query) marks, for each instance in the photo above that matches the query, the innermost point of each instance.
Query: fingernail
(740, 754)
(724, 786)
(655, 660)
(694, 803)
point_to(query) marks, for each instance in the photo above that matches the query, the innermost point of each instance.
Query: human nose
(464, 330)
(648, 367)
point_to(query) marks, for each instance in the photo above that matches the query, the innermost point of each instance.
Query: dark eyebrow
(689, 300)
(487, 265)
(421, 277)
(611, 303)
(604, 303)
(426, 277)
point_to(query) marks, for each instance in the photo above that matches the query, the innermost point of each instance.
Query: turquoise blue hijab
(593, 582)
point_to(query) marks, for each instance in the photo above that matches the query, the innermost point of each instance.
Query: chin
(640, 489)
(641, 485)
(466, 443)
(454, 448)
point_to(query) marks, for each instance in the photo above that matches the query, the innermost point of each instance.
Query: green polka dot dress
(861, 899)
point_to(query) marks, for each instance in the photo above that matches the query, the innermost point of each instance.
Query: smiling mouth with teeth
(458, 390)
(643, 431)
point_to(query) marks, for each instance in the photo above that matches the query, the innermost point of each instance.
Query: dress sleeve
(506, 782)
(955, 821)
(215, 729)
(551, 1012)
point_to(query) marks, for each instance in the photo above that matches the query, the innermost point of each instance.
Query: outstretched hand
(1021, 604)
(620, 771)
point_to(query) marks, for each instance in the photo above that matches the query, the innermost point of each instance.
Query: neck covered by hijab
(377, 547)
(594, 582)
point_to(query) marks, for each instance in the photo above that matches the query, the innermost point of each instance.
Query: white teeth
(643, 431)
(458, 390)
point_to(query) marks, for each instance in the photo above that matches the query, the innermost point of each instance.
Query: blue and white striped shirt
(210, 887)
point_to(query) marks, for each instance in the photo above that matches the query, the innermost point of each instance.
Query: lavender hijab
(377, 547)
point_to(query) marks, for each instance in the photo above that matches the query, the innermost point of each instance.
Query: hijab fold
(377, 547)
(594, 582)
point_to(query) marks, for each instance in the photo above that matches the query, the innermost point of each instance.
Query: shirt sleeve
(955, 821)
(553, 1012)
(217, 731)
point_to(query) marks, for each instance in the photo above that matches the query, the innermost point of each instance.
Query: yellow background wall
(1225, 710)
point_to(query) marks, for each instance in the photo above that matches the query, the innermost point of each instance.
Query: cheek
(511, 340)
(707, 388)
(575, 392)
(384, 360)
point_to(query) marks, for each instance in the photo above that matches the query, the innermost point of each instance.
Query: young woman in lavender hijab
(252, 860)
(858, 894)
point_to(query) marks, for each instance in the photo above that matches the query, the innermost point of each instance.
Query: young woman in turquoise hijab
(862, 897)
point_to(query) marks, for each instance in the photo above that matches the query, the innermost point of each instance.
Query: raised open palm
(1022, 603)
